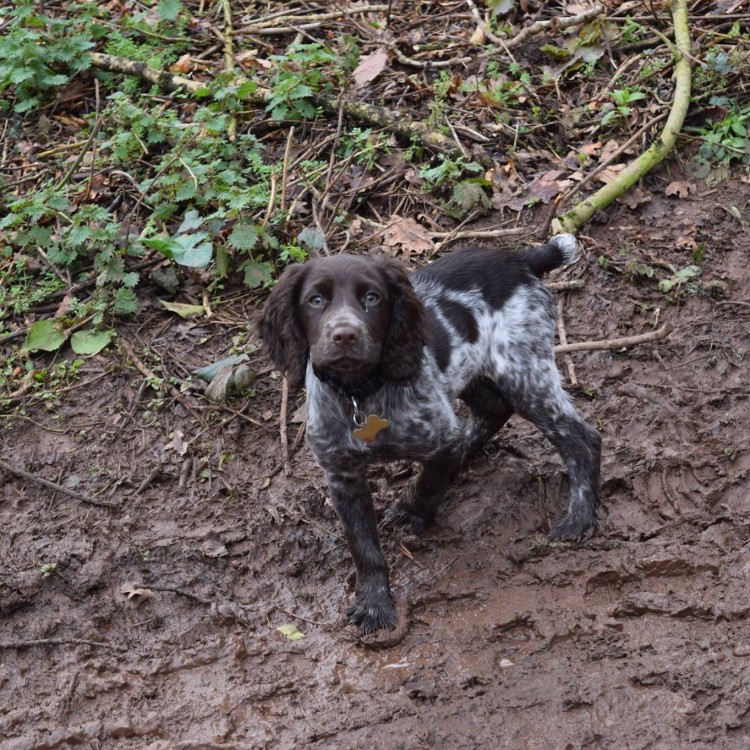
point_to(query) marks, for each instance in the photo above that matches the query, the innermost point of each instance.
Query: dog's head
(350, 315)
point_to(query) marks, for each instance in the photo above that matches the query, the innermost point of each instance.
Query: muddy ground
(638, 638)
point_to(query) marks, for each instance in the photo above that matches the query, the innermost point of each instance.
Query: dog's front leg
(373, 605)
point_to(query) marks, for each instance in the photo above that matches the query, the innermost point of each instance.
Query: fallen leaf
(183, 310)
(478, 36)
(183, 65)
(273, 511)
(634, 197)
(680, 188)
(370, 67)
(409, 234)
(136, 594)
(213, 547)
(177, 444)
(291, 632)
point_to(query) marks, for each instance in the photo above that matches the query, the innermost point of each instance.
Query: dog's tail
(561, 250)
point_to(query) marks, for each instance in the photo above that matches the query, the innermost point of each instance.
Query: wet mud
(143, 610)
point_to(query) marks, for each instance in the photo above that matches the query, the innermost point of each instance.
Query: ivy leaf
(45, 336)
(90, 342)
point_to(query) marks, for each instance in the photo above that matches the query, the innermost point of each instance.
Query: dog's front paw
(372, 612)
(402, 515)
(573, 527)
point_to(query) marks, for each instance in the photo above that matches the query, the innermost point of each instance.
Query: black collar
(366, 386)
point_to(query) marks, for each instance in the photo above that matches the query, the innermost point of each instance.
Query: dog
(383, 357)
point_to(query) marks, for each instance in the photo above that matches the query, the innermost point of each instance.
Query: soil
(143, 609)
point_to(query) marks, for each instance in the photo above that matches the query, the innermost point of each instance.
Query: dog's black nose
(344, 336)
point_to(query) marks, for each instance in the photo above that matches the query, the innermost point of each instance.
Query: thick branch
(574, 219)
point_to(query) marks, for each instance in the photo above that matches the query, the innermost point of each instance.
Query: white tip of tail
(570, 247)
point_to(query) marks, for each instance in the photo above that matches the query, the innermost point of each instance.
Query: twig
(285, 169)
(299, 617)
(229, 59)
(565, 286)
(290, 19)
(66, 177)
(643, 338)
(556, 23)
(282, 428)
(152, 377)
(56, 487)
(567, 359)
(322, 528)
(162, 78)
(58, 642)
(475, 234)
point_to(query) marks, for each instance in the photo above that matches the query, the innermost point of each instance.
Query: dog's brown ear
(407, 332)
(282, 330)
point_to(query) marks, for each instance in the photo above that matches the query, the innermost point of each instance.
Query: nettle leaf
(125, 302)
(130, 279)
(257, 273)
(186, 191)
(312, 238)
(90, 342)
(243, 237)
(45, 336)
(169, 9)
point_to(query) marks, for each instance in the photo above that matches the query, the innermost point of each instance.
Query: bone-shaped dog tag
(370, 429)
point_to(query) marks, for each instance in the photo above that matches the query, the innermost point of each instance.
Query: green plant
(678, 278)
(39, 53)
(363, 147)
(448, 170)
(622, 98)
(48, 569)
(297, 78)
(727, 140)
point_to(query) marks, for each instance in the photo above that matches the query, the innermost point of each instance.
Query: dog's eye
(316, 300)
(371, 298)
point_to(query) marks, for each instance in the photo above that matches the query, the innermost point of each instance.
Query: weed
(363, 147)
(48, 569)
(38, 53)
(298, 76)
(622, 99)
(727, 140)
(448, 171)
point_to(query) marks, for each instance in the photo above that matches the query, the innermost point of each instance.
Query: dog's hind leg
(542, 400)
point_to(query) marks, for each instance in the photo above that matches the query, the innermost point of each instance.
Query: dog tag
(370, 429)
